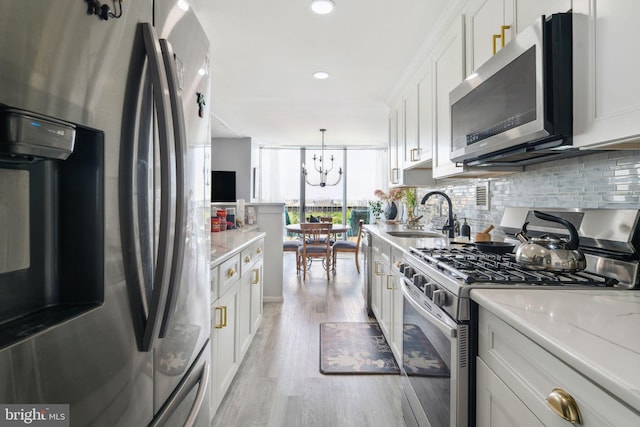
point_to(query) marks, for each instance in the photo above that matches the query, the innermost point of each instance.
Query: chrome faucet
(450, 225)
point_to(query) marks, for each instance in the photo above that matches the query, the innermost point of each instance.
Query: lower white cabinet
(386, 299)
(224, 344)
(236, 314)
(518, 383)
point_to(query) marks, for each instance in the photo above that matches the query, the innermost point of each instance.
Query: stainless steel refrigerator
(104, 213)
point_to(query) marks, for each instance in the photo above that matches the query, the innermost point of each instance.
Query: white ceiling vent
(482, 196)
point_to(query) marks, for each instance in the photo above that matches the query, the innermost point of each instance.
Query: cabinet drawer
(214, 283)
(251, 255)
(532, 373)
(229, 272)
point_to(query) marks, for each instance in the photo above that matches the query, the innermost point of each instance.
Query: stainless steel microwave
(517, 108)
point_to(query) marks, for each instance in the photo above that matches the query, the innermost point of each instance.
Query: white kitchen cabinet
(606, 87)
(425, 117)
(380, 303)
(411, 153)
(490, 22)
(236, 311)
(394, 148)
(448, 72)
(515, 377)
(386, 301)
(397, 325)
(224, 345)
(250, 284)
(496, 404)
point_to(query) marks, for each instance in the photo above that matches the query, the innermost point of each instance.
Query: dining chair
(316, 244)
(293, 246)
(348, 246)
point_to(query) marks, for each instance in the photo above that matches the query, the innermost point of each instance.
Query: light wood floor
(279, 382)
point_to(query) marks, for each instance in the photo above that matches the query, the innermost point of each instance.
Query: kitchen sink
(416, 234)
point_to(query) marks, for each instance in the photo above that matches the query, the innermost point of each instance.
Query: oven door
(435, 364)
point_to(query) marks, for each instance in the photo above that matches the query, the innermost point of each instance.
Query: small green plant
(376, 208)
(410, 198)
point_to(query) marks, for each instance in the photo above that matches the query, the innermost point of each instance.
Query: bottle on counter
(465, 230)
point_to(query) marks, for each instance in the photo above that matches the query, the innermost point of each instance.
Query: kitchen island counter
(595, 332)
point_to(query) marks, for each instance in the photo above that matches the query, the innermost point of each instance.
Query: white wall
(234, 154)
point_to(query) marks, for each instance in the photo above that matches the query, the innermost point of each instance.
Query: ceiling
(265, 52)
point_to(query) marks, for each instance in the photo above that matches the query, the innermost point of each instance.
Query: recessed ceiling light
(321, 75)
(322, 7)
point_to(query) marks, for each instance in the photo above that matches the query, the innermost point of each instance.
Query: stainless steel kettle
(549, 252)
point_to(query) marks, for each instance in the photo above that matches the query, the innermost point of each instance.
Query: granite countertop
(227, 242)
(596, 332)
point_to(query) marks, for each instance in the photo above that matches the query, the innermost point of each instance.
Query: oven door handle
(449, 330)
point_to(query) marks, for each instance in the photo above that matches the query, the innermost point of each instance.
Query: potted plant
(390, 198)
(410, 200)
(376, 209)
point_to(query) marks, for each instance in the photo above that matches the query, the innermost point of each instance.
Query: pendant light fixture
(321, 168)
(322, 7)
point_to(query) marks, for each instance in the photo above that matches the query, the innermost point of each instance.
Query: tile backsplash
(603, 180)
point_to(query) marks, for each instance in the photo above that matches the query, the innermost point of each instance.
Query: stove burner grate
(473, 266)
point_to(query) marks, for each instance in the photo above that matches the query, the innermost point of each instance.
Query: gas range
(444, 276)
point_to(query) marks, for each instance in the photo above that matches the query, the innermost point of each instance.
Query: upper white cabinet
(448, 71)
(493, 23)
(606, 86)
(394, 151)
(411, 127)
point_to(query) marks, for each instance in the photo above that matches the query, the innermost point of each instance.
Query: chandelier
(320, 167)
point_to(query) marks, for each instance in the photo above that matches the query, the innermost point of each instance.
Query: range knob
(439, 297)
(428, 290)
(419, 280)
(409, 272)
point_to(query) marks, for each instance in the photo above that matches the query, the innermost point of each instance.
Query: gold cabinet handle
(414, 154)
(398, 263)
(564, 405)
(375, 269)
(495, 37)
(231, 272)
(225, 316)
(247, 258)
(389, 287)
(256, 278)
(259, 250)
(502, 37)
(220, 325)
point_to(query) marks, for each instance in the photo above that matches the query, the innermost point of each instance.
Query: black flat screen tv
(223, 186)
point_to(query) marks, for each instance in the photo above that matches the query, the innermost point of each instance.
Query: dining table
(335, 228)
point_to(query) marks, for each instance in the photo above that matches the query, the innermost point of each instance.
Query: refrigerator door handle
(200, 395)
(180, 138)
(167, 181)
(197, 375)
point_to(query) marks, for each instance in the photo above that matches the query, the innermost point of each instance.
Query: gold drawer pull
(375, 269)
(495, 37)
(247, 258)
(259, 250)
(389, 287)
(563, 404)
(231, 272)
(256, 278)
(502, 37)
(223, 319)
